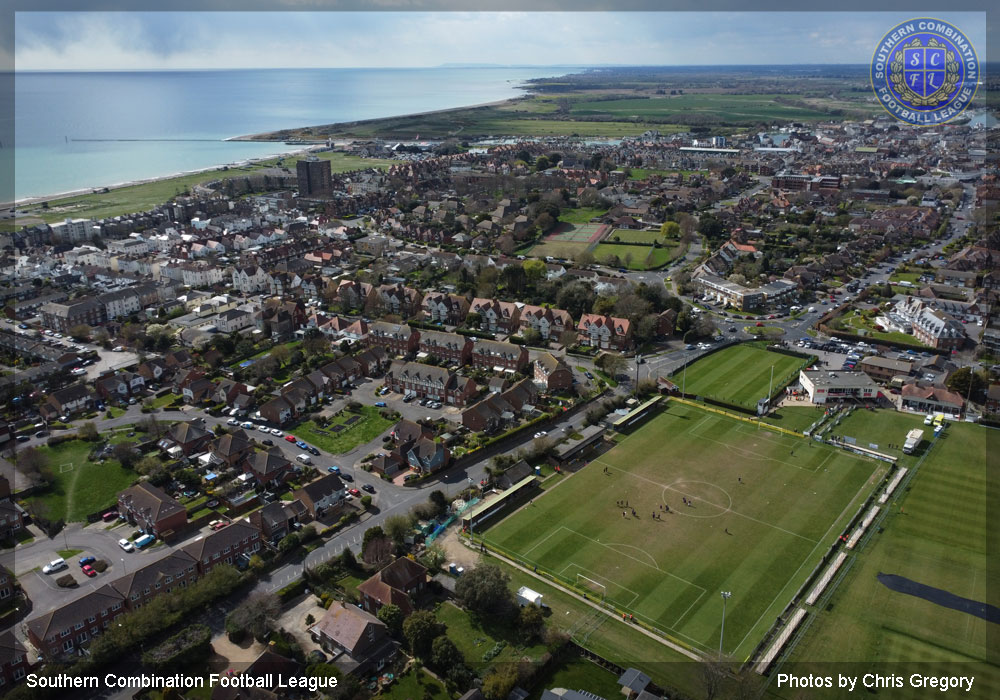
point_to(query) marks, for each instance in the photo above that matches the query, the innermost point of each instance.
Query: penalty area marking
(66, 467)
(635, 596)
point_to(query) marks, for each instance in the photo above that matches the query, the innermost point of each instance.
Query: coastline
(272, 136)
(27, 201)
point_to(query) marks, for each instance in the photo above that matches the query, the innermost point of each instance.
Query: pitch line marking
(728, 510)
(635, 596)
(539, 543)
(640, 561)
(684, 614)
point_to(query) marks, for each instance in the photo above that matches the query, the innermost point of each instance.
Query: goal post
(588, 584)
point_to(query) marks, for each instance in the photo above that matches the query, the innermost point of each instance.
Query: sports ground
(739, 375)
(935, 534)
(764, 508)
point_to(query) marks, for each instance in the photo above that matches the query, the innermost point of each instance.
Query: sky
(201, 40)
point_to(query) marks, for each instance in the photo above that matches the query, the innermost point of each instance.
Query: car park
(54, 565)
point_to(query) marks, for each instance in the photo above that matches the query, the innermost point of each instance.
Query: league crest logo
(925, 72)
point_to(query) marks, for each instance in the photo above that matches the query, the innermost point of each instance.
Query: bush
(192, 643)
(100, 566)
(66, 581)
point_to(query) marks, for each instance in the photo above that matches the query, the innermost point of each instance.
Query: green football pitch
(740, 374)
(764, 508)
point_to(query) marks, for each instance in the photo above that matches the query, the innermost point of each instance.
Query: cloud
(204, 40)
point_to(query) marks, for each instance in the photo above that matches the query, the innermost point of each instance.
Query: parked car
(87, 560)
(380, 404)
(301, 444)
(233, 421)
(276, 433)
(109, 516)
(248, 425)
(333, 469)
(89, 571)
(54, 565)
(212, 504)
(291, 438)
(144, 541)
(354, 492)
(313, 451)
(269, 443)
(588, 375)
(369, 488)
(346, 477)
(126, 545)
(408, 398)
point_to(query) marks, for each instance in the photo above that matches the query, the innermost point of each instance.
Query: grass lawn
(474, 638)
(854, 322)
(115, 411)
(629, 236)
(796, 418)
(369, 427)
(67, 553)
(416, 685)
(724, 108)
(80, 487)
(606, 377)
(643, 173)
(578, 673)
(642, 257)
(557, 249)
(765, 507)
(940, 540)
(740, 374)
(610, 638)
(910, 277)
(582, 215)
(166, 399)
(765, 331)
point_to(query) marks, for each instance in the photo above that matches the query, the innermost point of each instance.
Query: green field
(935, 534)
(739, 375)
(629, 236)
(557, 249)
(581, 216)
(730, 109)
(80, 487)
(642, 257)
(765, 509)
(371, 425)
(136, 198)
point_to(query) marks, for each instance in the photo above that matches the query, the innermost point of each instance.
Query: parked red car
(89, 570)
(759, 323)
(291, 438)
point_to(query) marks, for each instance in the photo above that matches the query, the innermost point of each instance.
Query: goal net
(599, 590)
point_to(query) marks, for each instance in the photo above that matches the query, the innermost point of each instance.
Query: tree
(125, 453)
(670, 229)
(484, 591)
(255, 616)
(568, 337)
(420, 630)
(280, 354)
(34, 464)
(498, 683)
(531, 621)
(397, 527)
(532, 337)
(584, 258)
(612, 363)
(439, 501)
(392, 616)
(444, 654)
(371, 534)
(961, 379)
(534, 270)
(542, 163)
(88, 431)
(378, 551)
(366, 501)
(347, 559)
(80, 332)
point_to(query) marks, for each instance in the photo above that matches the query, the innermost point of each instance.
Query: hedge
(185, 647)
(292, 590)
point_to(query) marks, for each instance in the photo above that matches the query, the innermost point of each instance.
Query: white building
(825, 386)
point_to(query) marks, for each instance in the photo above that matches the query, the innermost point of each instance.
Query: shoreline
(52, 198)
(270, 136)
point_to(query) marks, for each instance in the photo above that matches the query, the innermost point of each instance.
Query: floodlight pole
(725, 597)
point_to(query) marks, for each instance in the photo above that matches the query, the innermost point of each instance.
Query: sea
(83, 130)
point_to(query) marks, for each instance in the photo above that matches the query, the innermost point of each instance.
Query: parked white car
(126, 545)
(54, 565)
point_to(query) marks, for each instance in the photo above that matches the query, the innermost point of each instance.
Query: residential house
(605, 332)
(396, 584)
(428, 381)
(395, 338)
(426, 455)
(138, 586)
(277, 520)
(60, 632)
(352, 294)
(14, 664)
(154, 371)
(152, 510)
(359, 641)
(496, 316)
(549, 323)
(322, 496)
(198, 391)
(11, 523)
(446, 309)
(67, 401)
(395, 299)
(224, 546)
(499, 356)
(191, 436)
(450, 347)
(269, 468)
(278, 410)
(372, 361)
(552, 374)
(231, 448)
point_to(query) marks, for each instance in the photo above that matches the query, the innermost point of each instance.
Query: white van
(304, 458)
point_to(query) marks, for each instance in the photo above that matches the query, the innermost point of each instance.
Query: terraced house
(449, 309)
(428, 381)
(498, 357)
(450, 347)
(605, 332)
(396, 299)
(496, 316)
(550, 323)
(395, 338)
